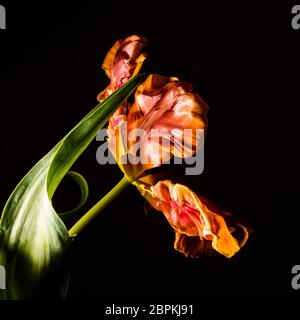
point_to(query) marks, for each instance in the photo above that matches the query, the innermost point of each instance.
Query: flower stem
(99, 206)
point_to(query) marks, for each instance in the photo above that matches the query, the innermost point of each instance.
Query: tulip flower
(123, 61)
(199, 225)
(163, 111)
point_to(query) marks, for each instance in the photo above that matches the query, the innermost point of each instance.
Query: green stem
(99, 206)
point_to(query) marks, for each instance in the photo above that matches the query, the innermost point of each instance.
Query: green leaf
(33, 237)
(84, 190)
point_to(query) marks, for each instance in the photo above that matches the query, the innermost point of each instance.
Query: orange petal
(192, 247)
(168, 111)
(189, 216)
(122, 62)
(110, 57)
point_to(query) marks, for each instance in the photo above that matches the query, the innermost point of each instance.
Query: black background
(241, 58)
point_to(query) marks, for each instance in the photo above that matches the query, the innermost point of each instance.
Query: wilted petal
(171, 115)
(179, 217)
(122, 62)
(150, 92)
(189, 216)
(162, 102)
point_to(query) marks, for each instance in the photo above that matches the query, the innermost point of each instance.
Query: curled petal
(151, 91)
(168, 103)
(122, 62)
(190, 217)
(173, 118)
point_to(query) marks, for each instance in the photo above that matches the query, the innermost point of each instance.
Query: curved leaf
(84, 190)
(33, 237)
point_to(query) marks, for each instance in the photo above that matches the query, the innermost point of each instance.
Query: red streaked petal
(171, 115)
(122, 62)
(189, 216)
